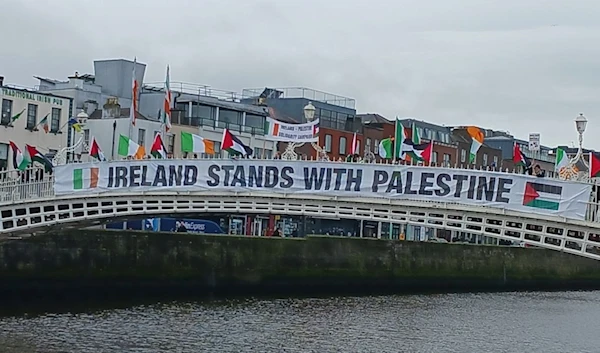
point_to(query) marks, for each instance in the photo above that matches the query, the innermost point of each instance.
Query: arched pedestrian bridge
(543, 212)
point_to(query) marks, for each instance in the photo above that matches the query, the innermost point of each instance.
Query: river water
(464, 323)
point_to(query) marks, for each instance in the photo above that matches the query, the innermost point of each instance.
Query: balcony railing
(211, 123)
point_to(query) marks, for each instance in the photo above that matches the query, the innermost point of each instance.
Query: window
(86, 137)
(485, 159)
(6, 111)
(230, 116)
(203, 111)
(495, 161)
(342, 145)
(55, 120)
(3, 158)
(463, 156)
(434, 159)
(368, 146)
(357, 147)
(262, 153)
(376, 146)
(141, 137)
(447, 160)
(255, 121)
(327, 146)
(31, 116)
(170, 143)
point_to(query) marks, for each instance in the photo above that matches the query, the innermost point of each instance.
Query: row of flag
(190, 143)
(409, 148)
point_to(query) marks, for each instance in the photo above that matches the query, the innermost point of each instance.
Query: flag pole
(395, 140)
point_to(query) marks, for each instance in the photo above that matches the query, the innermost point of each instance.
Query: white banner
(500, 190)
(534, 142)
(280, 131)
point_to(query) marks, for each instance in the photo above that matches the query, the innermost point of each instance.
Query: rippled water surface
(502, 322)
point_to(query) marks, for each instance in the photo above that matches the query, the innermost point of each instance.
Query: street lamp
(290, 154)
(573, 170)
(580, 124)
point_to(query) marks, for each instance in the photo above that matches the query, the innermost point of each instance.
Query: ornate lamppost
(572, 172)
(289, 153)
(61, 156)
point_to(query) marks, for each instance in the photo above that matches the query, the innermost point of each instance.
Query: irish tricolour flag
(85, 178)
(128, 148)
(192, 143)
(542, 196)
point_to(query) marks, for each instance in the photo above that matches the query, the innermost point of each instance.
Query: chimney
(1, 80)
(111, 109)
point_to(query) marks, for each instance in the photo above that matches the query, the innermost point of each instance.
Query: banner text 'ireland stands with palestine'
(499, 190)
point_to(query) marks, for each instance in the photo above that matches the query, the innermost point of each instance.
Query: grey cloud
(522, 66)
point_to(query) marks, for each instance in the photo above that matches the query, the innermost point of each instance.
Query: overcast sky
(517, 65)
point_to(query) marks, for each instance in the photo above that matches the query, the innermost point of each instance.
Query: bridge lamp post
(573, 172)
(580, 124)
(289, 153)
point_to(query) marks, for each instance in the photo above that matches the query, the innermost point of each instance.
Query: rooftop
(300, 92)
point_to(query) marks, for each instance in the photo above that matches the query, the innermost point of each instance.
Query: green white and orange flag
(478, 137)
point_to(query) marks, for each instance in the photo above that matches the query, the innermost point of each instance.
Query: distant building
(108, 123)
(33, 107)
(338, 121)
(196, 109)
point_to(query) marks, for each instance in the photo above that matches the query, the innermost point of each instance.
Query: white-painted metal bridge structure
(30, 206)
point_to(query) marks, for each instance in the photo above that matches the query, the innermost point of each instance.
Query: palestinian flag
(20, 160)
(234, 145)
(542, 196)
(519, 158)
(95, 150)
(128, 148)
(594, 164)
(386, 148)
(158, 149)
(37, 156)
(421, 152)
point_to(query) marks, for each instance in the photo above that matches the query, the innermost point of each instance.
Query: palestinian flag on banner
(519, 157)
(594, 164)
(543, 196)
(234, 145)
(421, 152)
(20, 160)
(95, 150)
(37, 156)
(158, 149)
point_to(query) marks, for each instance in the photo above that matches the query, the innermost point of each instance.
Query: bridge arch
(32, 216)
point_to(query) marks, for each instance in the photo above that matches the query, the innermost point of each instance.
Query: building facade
(337, 117)
(22, 117)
